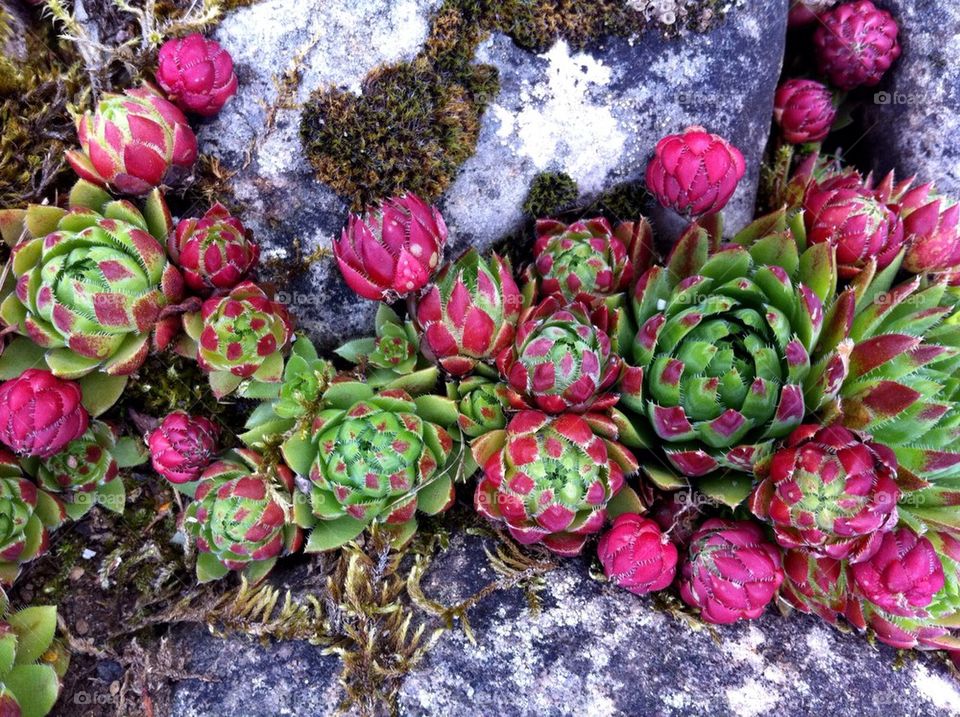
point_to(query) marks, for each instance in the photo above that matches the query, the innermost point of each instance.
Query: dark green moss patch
(416, 122)
(550, 193)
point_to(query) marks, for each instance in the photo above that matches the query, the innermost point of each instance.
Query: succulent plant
(902, 390)
(804, 110)
(469, 314)
(830, 492)
(215, 252)
(934, 628)
(92, 282)
(27, 513)
(242, 517)
(196, 73)
(694, 172)
(855, 44)
(931, 227)
(902, 576)
(373, 458)
(392, 358)
(392, 249)
(86, 472)
(726, 343)
(636, 555)
(560, 360)
(814, 584)
(40, 413)
(481, 403)
(240, 335)
(305, 378)
(132, 141)
(33, 662)
(731, 572)
(842, 212)
(182, 446)
(551, 478)
(588, 261)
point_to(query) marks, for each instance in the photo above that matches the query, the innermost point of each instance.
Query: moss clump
(416, 122)
(550, 193)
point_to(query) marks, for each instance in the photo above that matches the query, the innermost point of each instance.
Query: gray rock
(595, 114)
(598, 650)
(913, 121)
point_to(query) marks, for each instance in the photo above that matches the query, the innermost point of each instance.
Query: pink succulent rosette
(814, 584)
(214, 252)
(804, 110)
(40, 413)
(695, 172)
(637, 555)
(931, 228)
(855, 44)
(549, 478)
(830, 492)
(132, 141)
(392, 249)
(731, 572)
(182, 446)
(196, 73)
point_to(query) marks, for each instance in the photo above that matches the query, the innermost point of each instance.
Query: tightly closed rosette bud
(560, 360)
(132, 141)
(182, 446)
(588, 261)
(726, 342)
(731, 572)
(804, 110)
(92, 282)
(931, 627)
(636, 555)
(40, 413)
(902, 576)
(830, 492)
(843, 213)
(481, 405)
(931, 227)
(241, 335)
(469, 314)
(392, 249)
(215, 252)
(242, 517)
(373, 458)
(26, 514)
(814, 585)
(196, 73)
(550, 478)
(856, 43)
(695, 172)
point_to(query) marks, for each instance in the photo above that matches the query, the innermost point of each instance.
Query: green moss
(623, 202)
(415, 123)
(550, 193)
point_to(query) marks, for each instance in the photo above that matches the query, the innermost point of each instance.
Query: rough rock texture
(914, 120)
(595, 115)
(598, 650)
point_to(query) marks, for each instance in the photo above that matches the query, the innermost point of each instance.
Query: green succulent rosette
(86, 472)
(32, 662)
(27, 513)
(391, 359)
(482, 405)
(727, 338)
(92, 280)
(305, 378)
(239, 337)
(242, 517)
(373, 458)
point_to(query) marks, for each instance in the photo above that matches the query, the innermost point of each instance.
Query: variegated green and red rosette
(242, 517)
(93, 280)
(238, 336)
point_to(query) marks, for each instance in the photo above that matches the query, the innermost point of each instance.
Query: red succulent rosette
(215, 252)
(804, 110)
(196, 73)
(855, 44)
(637, 555)
(40, 413)
(182, 446)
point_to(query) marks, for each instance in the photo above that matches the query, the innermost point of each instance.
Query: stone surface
(913, 120)
(600, 651)
(596, 115)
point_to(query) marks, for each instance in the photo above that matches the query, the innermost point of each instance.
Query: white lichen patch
(752, 698)
(563, 121)
(939, 691)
